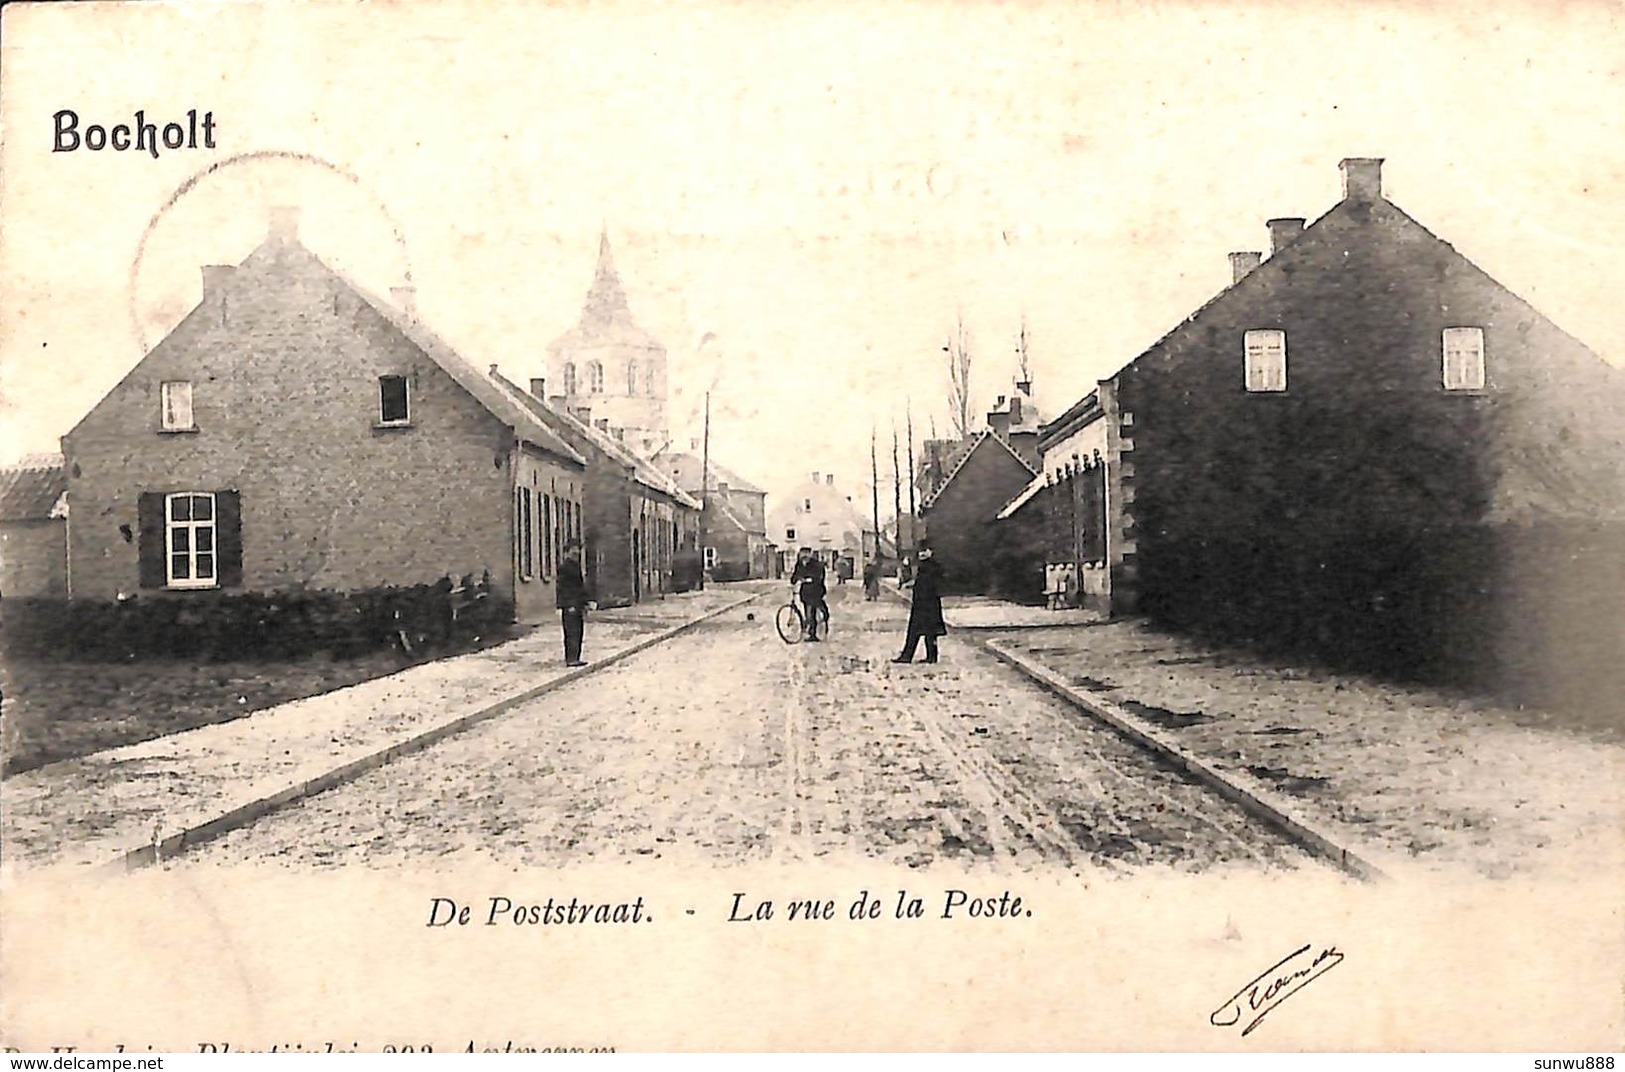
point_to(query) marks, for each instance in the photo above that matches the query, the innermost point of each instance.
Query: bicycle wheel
(790, 624)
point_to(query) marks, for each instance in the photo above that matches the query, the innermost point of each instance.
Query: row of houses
(1364, 448)
(297, 432)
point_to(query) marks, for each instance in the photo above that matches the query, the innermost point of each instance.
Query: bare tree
(1024, 369)
(959, 362)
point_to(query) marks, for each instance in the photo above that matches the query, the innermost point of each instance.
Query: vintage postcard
(812, 526)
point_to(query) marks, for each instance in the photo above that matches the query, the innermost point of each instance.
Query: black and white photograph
(804, 527)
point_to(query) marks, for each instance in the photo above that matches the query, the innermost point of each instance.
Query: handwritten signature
(1261, 994)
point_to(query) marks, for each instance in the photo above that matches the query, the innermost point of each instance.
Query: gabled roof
(972, 446)
(272, 255)
(685, 469)
(30, 490)
(1082, 412)
(1009, 509)
(642, 472)
(728, 514)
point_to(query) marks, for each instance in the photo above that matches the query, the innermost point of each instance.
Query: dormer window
(1266, 360)
(1463, 359)
(175, 402)
(393, 405)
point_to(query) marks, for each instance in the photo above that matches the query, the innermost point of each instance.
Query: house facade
(296, 432)
(636, 522)
(1367, 449)
(819, 515)
(33, 529)
(736, 515)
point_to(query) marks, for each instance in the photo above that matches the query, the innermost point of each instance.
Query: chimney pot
(1242, 263)
(405, 299)
(284, 223)
(538, 387)
(815, 476)
(1362, 178)
(1284, 230)
(829, 479)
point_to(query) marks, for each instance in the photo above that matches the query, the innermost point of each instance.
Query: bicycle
(791, 622)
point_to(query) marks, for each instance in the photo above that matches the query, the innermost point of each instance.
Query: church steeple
(606, 298)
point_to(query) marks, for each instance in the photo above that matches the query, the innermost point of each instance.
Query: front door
(637, 566)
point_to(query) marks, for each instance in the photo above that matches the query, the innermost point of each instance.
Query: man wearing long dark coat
(925, 610)
(572, 601)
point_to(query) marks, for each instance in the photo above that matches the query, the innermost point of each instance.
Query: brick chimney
(829, 479)
(1284, 230)
(284, 223)
(998, 418)
(405, 299)
(1362, 178)
(815, 476)
(1242, 263)
(538, 387)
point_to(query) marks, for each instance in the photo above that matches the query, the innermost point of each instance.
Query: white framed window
(394, 407)
(190, 560)
(175, 401)
(1266, 360)
(1463, 350)
(710, 557)
(789, 534)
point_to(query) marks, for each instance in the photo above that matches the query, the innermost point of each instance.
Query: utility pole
(913, 507)
(874, 491)
(705, 484)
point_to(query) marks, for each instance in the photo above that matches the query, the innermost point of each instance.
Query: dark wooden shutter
(228, 536)
(150, 545)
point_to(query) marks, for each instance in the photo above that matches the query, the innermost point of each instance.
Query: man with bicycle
(809, 575)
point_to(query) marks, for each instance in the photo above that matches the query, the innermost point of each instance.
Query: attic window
(392, 402)
(175, 401)
(1463, 359)
(1266, 360)
(789, 533)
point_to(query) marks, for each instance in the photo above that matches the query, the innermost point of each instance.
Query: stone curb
(1252, 798)
(241, 816)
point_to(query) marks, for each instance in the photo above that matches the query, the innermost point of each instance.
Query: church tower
(609, 369)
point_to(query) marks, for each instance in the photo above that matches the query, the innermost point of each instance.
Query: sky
(823, 189)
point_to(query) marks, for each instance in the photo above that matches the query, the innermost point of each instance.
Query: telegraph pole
(705, 484)
(874, 491)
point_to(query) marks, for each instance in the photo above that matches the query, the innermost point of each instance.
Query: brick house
(736, 519)
(295, 432)
(1368, 450)
(33, 524)
(964, 492)
(635, 520)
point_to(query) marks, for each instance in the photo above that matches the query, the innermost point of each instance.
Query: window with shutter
(548, 535)
(1265, 360)
(190, 555)
(522, 533)
(1463, 359)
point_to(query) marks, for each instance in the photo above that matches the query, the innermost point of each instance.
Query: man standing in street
(572, 601)
(925, 610)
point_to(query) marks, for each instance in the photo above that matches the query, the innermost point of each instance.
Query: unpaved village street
(726, 744)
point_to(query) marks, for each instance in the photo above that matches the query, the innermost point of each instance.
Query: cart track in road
(728, 745)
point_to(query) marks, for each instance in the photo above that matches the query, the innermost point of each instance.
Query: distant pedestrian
(925, 610)
(573, 600)
(871, 580)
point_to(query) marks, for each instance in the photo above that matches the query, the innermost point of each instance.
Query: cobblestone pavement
(727, 745)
